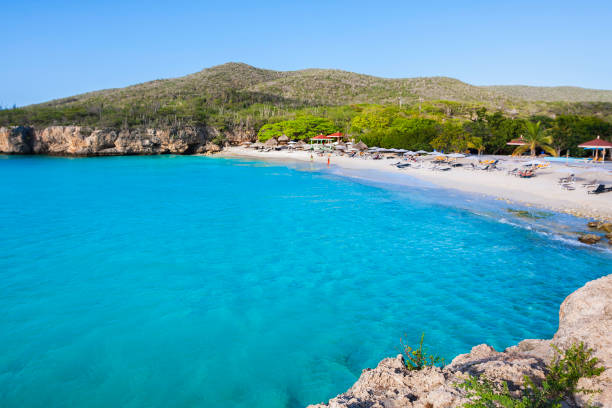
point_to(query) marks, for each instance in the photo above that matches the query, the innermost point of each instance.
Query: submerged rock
(589, 239)
(584, 316)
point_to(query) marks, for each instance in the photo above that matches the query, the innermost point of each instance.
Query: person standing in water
(328, 156)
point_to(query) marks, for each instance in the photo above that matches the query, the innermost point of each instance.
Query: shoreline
(541, 192)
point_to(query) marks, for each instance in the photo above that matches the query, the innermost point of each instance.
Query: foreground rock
(585, 316)
(83, 141)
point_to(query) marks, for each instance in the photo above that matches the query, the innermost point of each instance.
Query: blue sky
(52, 49)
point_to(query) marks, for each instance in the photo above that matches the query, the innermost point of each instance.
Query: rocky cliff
(585, 316)
(83, 141)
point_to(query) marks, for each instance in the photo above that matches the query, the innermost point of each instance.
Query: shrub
(560, 383)
(418, 358)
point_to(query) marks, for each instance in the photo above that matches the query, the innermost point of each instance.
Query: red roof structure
(517, 142)
(337, 134)
(321, 137)
(596, 144)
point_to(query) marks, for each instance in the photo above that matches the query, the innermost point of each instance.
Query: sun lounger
(568, 179)
(513, 171)
(601, 189)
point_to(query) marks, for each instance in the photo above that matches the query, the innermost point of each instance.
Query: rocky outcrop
(17, 140)
(83, 141)
(585, 316)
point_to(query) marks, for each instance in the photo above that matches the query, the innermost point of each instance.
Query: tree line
(484, 132)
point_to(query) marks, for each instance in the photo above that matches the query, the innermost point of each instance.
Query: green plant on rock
(219, 140)
(560, 383)
(418, 358)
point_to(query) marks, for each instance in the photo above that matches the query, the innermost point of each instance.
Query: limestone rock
(212, 148)
(17, 140)
(83, 141)
(586, 316)
(589, 239)
(602, 226)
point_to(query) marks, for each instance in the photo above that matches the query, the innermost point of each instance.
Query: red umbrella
(597, 144)
(517, 142)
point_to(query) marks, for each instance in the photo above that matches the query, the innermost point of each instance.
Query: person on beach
(328, 157)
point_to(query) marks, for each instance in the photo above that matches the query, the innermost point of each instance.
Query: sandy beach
(542, 191)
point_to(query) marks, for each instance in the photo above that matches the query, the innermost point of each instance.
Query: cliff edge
(584, 316)
(84, 141)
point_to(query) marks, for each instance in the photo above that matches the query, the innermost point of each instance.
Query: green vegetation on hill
(410, 113)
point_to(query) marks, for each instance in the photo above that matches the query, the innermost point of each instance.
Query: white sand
(541, 191)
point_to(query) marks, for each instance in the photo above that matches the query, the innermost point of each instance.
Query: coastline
(541, 191)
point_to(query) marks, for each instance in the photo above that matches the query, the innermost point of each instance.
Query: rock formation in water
(585, 316)
(83, 141)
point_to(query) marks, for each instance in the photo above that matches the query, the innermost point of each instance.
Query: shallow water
(191, 281)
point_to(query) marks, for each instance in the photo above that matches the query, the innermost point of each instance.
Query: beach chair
(512, 172)
(601, 189)
(567, 186)
(568, 179)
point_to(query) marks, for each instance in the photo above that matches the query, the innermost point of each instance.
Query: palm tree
(536, 137)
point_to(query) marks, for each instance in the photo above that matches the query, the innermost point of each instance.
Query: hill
(236, 94)
(330, 87)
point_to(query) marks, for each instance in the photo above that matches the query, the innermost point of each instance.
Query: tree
(503, 129)
(535, 137)
(302, 127)
(453, 137)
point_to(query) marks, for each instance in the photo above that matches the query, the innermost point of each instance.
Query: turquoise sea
(177, 281)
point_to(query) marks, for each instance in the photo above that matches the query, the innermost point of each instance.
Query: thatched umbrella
(361, 146)
(257, 145)
(283, 139)
(271, 142)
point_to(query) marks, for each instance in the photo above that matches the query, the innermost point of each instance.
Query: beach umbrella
(337, 135)
(597, 144)
(410, 153)
(292, 142)
(340, 147)
(434, 153)
(402, 151)
(283, 139)
(421, 152)
(361, 146)
(456, 155)
(517, 142)
(534, 163)
(271, 142)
